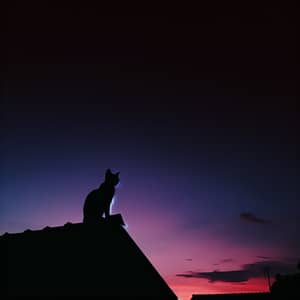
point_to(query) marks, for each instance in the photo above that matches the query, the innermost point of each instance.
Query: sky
(197, 109)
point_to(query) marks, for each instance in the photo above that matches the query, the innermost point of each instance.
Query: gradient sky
(196, 107)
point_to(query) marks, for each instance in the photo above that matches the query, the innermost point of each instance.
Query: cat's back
(92, 194)
(103, 194)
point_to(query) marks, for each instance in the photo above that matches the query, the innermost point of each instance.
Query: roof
(79, 260)
(246, 296)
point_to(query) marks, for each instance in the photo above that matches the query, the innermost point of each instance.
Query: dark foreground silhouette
(79, 260)
(287, 285)
(98, 201)
(244, 296)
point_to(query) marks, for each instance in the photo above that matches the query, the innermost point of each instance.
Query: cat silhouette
(99, 200)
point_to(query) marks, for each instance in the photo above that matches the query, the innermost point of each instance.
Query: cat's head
(112, 178)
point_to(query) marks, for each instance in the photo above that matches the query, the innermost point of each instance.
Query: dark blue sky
(196, 110)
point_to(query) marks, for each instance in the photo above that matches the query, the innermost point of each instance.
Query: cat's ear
(108, 172)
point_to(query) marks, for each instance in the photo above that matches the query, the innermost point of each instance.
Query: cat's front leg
(107, 212)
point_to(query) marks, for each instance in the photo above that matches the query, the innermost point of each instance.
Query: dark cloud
(249, 217)
(224, 261)
(227, 260)
(225, 276)
(188, 259)
(248, 271)
(263, 257)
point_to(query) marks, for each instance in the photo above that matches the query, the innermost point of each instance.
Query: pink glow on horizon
(184, 288)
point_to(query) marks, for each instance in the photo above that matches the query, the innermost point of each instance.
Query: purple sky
(197, 113)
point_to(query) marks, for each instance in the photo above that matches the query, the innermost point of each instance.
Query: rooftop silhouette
(246, 296)
(287, 285)
(84, 259)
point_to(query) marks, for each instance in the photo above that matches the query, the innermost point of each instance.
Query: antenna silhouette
(267, 276)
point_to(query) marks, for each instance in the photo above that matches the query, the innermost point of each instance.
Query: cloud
(224, 261)
(264, 257)
(227, 260)
(248, 271)
(225, 276)
(249, 217)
